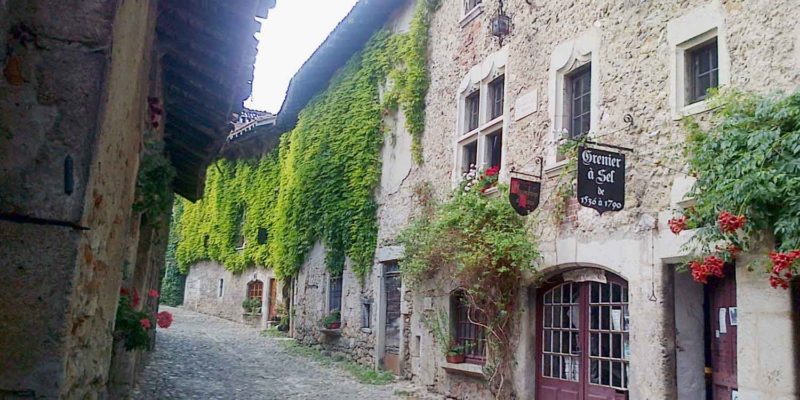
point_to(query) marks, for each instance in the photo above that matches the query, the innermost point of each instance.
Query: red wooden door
(582, 349)
(273, 300)
(723, 315)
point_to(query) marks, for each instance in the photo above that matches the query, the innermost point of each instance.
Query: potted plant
(332, 320)
(454, 353)
(252, 306)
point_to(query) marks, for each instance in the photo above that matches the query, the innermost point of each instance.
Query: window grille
(703, 70)
(469, 335)
(335, 294)
(579, 95)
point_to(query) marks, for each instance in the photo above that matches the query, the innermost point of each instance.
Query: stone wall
(310, 298)
(631, 52)
(202, 293)
(72, 112)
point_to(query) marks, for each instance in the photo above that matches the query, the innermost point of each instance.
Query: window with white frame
(699, 58)
(471, 4)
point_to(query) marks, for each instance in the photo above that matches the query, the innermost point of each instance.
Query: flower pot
(455, 359)
(334, 325)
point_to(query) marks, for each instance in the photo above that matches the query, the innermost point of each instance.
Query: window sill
(472, 370)
(495, 123)
(491, 192)
(331, 332)
(471, 15)
(553, 169)
(366, 330)
(692, 109)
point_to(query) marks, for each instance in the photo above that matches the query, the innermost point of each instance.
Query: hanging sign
(524, 195)
(601, 179)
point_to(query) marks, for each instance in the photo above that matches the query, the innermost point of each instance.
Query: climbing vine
(153, 193)
(747, 166)
(172, 284)
(481, 244)
(318, 184)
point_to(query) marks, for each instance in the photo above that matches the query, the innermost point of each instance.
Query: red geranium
(677, 225)
(729, 223)
(164, 319)
(145, 323)
(123, 292)
(135, 297)
(153, 293)
(492, 171)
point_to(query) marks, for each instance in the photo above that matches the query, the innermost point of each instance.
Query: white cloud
(291, 33)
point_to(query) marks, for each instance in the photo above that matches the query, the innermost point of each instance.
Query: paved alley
(203, 357)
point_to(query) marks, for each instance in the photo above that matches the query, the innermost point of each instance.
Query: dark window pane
(616, 374)
(605, 293)
(494, 147)
(548, 336)
(470, 156)
(594, 345)
(616, 293)
(616, 346)
(472, 110)
(605, 318)
(595, 295)
(703, 71)
(546, 371)
(594, 371)
(578, 102)
(496, 89)
(335, 294)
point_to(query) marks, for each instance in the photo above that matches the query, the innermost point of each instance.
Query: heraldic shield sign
(601, 179)
(524, 195)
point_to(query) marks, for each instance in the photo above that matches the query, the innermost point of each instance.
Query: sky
(289, 35)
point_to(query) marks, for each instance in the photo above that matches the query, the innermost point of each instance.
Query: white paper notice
(616, 320)
(723, 320)
(734, 316)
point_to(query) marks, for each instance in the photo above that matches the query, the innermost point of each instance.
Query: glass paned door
(583, 347)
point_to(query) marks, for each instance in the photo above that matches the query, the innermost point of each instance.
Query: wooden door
(583, 341)
(723, 317)
(391, 287)
(273, 300)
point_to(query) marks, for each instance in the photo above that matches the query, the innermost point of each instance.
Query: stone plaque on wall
(526, 104)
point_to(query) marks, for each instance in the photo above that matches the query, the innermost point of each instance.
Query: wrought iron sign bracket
(539, 160)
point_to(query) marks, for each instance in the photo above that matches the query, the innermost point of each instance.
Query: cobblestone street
(203, 357)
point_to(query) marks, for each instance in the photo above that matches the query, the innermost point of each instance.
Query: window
(366, 314)
(469, 335)
(239, 235)
(470, 4)
(219, 291)
(579, 101)
(702, 70)
(262, 235)
(497, 94)
(469, 156)
(472, 113)
(494, 147)
(335, 294)
(255, 291)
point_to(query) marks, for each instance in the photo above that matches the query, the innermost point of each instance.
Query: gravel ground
(204, 357)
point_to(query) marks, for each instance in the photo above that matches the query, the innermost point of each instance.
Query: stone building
(87, 87)
(617, 72)
(509, 82)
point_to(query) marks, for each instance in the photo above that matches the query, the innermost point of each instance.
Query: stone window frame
(470, 13)
(684, 34)
(479, 78)
(566, 58)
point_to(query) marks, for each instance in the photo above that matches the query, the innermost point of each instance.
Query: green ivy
(153, 194)
(319, 183)
(748, 163)
(173, 282)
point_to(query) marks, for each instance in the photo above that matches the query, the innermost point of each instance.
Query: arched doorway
(582, 342)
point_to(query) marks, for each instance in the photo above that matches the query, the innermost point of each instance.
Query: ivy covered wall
(319, 183)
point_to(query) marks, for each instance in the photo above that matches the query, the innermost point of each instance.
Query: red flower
(135, 297)
(492, 171)
(734, 250)
(729, 223)
(153, 293)
(124, 292)
(164, 319)
(711, 265)
(677, 225)
(145, 323)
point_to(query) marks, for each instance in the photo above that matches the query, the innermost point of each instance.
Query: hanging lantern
(501, 25)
